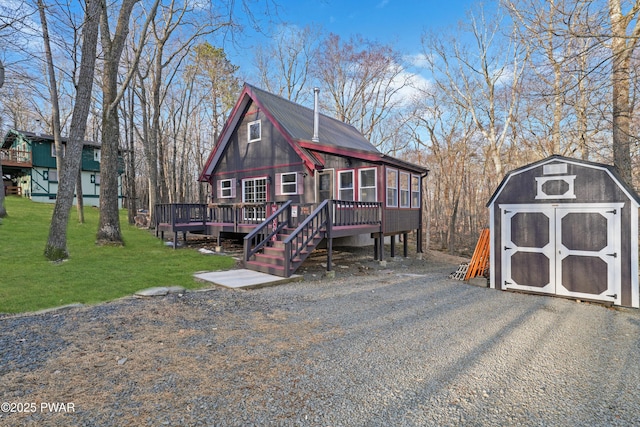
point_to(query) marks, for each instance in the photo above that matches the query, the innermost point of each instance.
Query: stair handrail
(258, 234)
(317, 227)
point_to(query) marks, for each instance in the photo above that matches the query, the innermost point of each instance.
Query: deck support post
(329, 252)
(393, 246)
(381, 247)
(175, 240)
(405, 244)
(376, 242)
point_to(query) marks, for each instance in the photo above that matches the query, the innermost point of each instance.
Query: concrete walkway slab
(244, 279)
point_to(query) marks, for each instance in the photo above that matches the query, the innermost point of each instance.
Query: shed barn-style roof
(611, 170)
(295, 122)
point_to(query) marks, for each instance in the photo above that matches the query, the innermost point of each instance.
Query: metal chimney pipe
(316, 115)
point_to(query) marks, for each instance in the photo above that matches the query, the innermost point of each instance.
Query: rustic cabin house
(289, 178)
(29, 167)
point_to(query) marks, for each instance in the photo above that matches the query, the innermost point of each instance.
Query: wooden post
(329, 215)
(376, 242)
(393, 246)
(405, 244)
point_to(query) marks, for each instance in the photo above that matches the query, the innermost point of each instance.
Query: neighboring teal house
(29, 168)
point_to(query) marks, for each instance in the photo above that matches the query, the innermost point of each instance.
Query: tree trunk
(109, 224)
(80, 194)
(3, 210)
(621, 111)
(56, 247)
(622, 48)
(53, 90)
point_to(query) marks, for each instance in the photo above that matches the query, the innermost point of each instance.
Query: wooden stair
(271, 259)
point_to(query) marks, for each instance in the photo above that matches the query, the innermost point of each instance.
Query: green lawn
(92, 274)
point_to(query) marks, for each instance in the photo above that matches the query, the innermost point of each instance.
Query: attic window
(254, 131)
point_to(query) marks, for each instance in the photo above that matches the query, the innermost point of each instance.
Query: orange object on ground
(480, 259)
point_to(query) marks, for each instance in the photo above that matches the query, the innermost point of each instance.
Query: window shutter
(233, 188)
(300, 183)
(278, 184)
(219, 192)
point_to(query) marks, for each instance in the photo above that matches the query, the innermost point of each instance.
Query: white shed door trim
(541, 258)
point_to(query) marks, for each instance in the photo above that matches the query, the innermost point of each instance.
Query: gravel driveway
(401, 345)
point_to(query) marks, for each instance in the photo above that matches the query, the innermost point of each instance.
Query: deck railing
(346, 212)
(180, 213)
(315, 226)
(267, 230)
(15, 157)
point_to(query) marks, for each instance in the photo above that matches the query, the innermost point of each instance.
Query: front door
(566, 250)
(254, 191)
(324, 185)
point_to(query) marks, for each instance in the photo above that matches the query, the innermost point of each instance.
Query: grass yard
(92, 274)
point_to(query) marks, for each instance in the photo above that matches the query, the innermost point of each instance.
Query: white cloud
(418, 60)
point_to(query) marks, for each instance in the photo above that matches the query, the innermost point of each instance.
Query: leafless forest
(514, 82)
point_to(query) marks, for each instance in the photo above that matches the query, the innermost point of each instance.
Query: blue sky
(397, 22)
(401, 22)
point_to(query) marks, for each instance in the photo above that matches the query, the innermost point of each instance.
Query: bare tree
(56, 247)
(445, 131)
(285, 66)
(109, 231)
(625, 31)
(166, 57)
(365, 82)
(484, 81)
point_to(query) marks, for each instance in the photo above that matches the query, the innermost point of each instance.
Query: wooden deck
(279, 236)
(15, 158)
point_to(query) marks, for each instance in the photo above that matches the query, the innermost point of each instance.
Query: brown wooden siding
(401, 220)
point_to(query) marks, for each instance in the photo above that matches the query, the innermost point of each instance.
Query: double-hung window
(392, 188)
(404, 190)
(226, 187)
(289, 183)
(345, 185)
(415, 191)
(367, 184)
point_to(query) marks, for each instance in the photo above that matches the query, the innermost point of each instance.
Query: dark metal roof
(297, 120)
(296, 123)
(13, 134)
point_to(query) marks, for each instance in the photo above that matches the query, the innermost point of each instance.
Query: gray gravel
(379, 348)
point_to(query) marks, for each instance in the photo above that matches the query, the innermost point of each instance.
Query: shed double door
(571, 250)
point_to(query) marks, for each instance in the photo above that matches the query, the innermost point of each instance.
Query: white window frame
(417, 193)
(257, 213)
(405, 202)
(341, 188)
(222, 194)
(284, 184)
(394, 204)
(375, 183)
(249, 125)
(53, 150)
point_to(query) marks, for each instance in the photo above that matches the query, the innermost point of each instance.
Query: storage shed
(566, 227)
